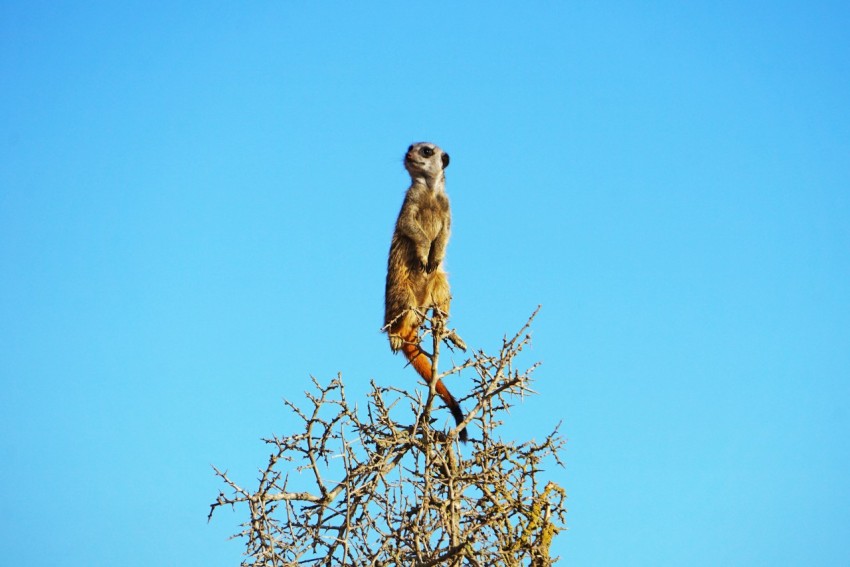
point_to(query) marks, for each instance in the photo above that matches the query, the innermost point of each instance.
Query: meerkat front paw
(421, 259)
(396, 343)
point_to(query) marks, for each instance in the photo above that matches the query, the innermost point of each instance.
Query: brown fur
(416, 281)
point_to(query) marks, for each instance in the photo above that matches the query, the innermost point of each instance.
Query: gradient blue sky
(196, 201)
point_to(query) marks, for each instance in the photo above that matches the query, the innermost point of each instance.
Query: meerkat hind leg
(441, 300)
(396, 342)
(404, 329)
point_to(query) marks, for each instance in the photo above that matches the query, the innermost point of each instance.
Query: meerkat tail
(419, 360)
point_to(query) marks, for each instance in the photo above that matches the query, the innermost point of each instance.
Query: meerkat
(416, 281)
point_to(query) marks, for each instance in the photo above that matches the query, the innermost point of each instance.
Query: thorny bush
(375, 490)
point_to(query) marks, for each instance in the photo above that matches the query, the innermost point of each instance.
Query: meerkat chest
(433, 214)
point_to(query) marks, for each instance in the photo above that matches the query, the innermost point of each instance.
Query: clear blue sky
(196, 201)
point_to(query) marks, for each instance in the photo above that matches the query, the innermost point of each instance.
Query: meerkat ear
(445, 160)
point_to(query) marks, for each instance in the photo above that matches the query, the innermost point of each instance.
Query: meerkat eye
(426, 152)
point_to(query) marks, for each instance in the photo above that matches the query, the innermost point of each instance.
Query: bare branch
(387, 488)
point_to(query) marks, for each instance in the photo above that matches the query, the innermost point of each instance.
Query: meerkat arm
(438, 248)
(409, 227)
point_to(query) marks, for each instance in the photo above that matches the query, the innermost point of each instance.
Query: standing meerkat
(416, 281)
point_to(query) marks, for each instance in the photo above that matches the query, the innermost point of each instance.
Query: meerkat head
(426, 160)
